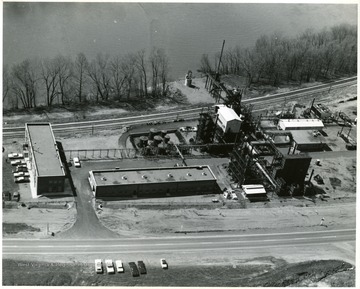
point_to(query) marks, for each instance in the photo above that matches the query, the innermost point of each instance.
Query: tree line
(276, 59)
(62, 80)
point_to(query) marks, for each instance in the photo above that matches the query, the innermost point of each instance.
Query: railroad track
(187, 114)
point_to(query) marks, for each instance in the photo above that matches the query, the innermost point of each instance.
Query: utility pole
(217, 77)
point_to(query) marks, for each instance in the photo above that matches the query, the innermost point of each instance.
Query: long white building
(305, 124)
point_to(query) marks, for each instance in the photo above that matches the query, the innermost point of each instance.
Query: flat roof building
(153, 182)
(305, 140)
(304, 123)
(44, 158)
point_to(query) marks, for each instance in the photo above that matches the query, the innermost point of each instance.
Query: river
(184, 30)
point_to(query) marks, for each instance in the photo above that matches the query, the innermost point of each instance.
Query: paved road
(174, 244)
(87, 224)
(332, 154)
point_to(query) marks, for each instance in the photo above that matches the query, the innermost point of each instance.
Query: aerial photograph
(179, 144)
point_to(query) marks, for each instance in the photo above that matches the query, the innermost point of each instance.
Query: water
(185, 31)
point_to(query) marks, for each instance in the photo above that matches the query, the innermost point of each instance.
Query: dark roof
(44, 149)
(153, 175)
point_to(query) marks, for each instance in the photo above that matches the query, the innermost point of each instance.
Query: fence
(102, 154)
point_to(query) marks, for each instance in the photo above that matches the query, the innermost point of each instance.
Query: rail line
(187, 114)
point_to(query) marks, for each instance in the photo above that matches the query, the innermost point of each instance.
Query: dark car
(20, 168)
(16, 196)
(142, 267)
(134, 270)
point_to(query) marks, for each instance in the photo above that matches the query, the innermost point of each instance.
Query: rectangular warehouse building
(304, 123)
(153, 182)
(44, 159)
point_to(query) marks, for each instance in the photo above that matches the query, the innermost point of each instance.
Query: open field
(256, 272)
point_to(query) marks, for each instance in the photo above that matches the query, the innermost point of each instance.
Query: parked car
(215, 200)
(188, 128)
(109, 266)
(234, 196)
(77, 163)
(98, 266)
(164, 264)
(134, 270)
(119, 266)
(142, 267)
(20, 168)
(15, 156)
(22, 180)
(21, 174)
(17, 162)
(16, 196)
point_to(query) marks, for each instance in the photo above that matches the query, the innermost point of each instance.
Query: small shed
(228, 120)
(255, 192)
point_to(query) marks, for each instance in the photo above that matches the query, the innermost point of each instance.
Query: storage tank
(157, 140)
(162, 148)
(163, 133)
(143, 141)
(166, 138)
(153, 132)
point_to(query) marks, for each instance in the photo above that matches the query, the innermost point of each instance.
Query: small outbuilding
(254, 192)
(300, 124)
(227, 119)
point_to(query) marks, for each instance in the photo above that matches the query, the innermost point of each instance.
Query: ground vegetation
(50, 82)
(275, 59)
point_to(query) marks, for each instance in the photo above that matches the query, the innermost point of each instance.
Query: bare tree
(99, 73)
(64, 67)
(80, 76)
(142, 71)
(159, 67)
(50, 76)
(25, 81)
(7, 83)
(128, 66)
(205, 65)
(117, 76)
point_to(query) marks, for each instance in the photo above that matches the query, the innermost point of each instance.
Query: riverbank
(180, 97)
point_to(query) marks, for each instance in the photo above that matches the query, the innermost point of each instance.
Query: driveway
(87, 225)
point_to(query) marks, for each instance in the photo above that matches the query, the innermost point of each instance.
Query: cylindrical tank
(143, 141)
(157, 140)
(163, 133)
(162, 148)
(152, 133)
(166, 138)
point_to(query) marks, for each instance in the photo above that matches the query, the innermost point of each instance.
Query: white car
(18, 162)
(21, 174)
(119, 266)
(77, 163)
(234, 196)
(163, 263)
(15, 156)
(98, 266)
(109, 266)
(22, 180)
